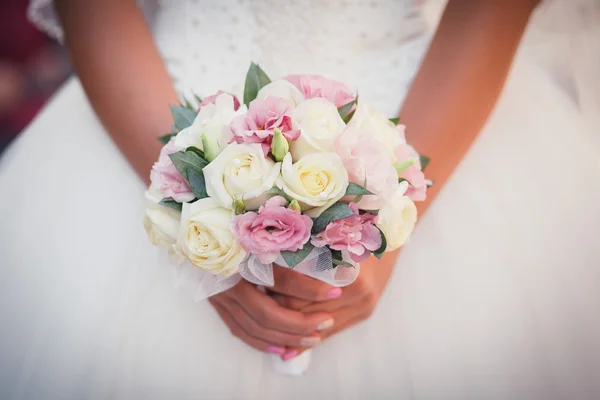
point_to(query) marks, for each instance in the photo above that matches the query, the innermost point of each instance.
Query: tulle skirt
(496, 295)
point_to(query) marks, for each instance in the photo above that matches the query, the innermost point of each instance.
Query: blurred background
(32, 67)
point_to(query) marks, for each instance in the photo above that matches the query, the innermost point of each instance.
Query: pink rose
(367, 162)
(317, 86)
(259, 123)
(213, 98)
(357, 234)
(273, 229)
(417, 190)
(165, 176)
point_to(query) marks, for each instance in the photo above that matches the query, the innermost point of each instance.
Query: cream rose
(284, 89)
(242, 172)
(213, 121)
(316, 181)
(397, 218)
(371, 121)
(206, 239)
(161, 223)
(320, 123)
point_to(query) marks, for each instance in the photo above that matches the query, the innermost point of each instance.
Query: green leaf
(333, 213)
(395, 121)
(164, 139)
(169, 202)
(275, 190)
(356, 190)
(255, 80)
(187, 159)
(197, 183)
(198, 99)
(190, 163)
(337, 259)
(348, 117)
(293, 258)
(182, 116)
(424, 162)
(188, 105)
(379, 252)
(198, 152)
(345, 109)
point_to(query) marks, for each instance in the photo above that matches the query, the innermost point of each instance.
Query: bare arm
(460, 80)
(122, 73)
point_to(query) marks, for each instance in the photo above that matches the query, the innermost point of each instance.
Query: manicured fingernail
(334, 293)
(325, 325)
(310, 341)
(290, 354)
(275, 350)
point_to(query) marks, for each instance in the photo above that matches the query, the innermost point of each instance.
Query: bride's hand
(356, 302)
(260, 322)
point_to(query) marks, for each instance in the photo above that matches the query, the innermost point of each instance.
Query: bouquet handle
(296, 366)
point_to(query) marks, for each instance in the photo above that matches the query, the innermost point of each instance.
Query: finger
(264, 310)
(254, 329)
(295, 284)
(237, 331)
(292, 303)
(345, 319)
(357, 293)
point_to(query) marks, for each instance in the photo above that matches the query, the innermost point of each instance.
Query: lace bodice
(372, 45)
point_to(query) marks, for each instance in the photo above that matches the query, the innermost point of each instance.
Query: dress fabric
(495, 297)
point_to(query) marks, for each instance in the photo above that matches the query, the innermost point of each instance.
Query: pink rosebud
(273, 229)
(317, 86)
(367, 162)
(213, 98)
(357, 234)
(417, 190)
(259, 123)
(165, 176)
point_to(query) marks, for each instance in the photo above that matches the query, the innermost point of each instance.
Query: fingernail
(334, 293)
(290, 354)
(310, 341)
(275, 350)
(325, 324)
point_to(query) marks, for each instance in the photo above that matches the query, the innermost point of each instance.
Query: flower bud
(294, 205)
(238, 207)
(403, 165)
(279, 146)
(210, 148)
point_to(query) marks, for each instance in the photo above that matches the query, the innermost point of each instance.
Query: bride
(496, 296)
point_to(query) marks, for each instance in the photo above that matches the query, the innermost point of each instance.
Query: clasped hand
(299, 312)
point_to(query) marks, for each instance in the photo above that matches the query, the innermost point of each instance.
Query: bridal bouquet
(302, 174)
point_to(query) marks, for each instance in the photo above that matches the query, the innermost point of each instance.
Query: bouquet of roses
(302, 174)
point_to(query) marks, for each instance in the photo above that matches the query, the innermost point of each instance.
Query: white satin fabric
(495, 297)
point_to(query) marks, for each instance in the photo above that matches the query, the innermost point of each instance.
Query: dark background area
(32, 67)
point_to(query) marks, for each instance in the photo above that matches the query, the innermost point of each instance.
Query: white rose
(316, 181)
(161, 223)
(206, 239)
(397, 218)
(370, 120)
(243, 172)
(320, 122)
(284, 89)
(213, 121)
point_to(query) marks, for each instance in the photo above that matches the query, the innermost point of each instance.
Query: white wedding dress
(497, 296)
